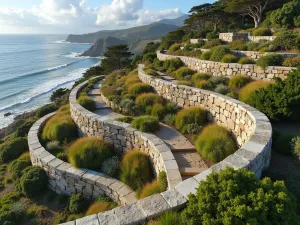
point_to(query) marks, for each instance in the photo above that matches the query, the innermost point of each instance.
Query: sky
(84, 16)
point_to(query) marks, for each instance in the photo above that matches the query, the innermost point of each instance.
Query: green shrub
(130, 81)
(206, 55)
(46, 109)
(233, 94)
(238, 45)
(8, 217)
(150, 189)
(60, 127)
(280, 100)
(212, 43)
(33, 181)
(292, 62)
(87, 103)
(54, 147)
(269, 60)
(22, 131)
(149, 57)
(185, 82)
(17, 168)
(240, 196)
(282, 142)
(216, 80)
(183, 72)
(111, 166)
(246, 60)
(262, 32)
(89, 152)
(169, 218)
(151, 72)
(229, 58)
(172, 65)
(215, 143)
(139, 88)
(295, 145)
(245, 94)
(125, 119)
(135, 169)
(170, 119)
(77, 203)
(193, 115)
(239, 81)
(148, 99)
(145, 124)
(98, 207)
(162, 180)
(12, 149)
(218, 53)
(200, 76)
(222, 89)
(159, 111)
(252, 46)
(287, 40)
(174, 48)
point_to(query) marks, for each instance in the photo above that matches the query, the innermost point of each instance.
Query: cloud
(56, 15)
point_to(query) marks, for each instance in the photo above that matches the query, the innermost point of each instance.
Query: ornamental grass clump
(87, 103)
(183, 72)
(98, 207)
(193, 115)
(206, 55)
(111, 166)
(146, 124)
(269, 60)
(246, 60)
(247, 91)
(172, 65)
(200, 76)
(239, 81)
(292, 62)
(135, 169)
(150, 189)
(148, 99)
(215, 143)
(139, 88)
(218, 53)
(229, 58)
(77, 203)
(89, 152)
(202, 84)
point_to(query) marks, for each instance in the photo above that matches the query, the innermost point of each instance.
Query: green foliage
(245, 94)
(87, 103)
(282, 142)
(200, 76)
(183, 72)
(229, 58)
(150, 189)
(222, 89)
(232, 94)
(287, 40)
(139, 88)
(239, 81)
(193, 115)
(77, 203)
(160, 111)
(292, 62)
(13, 148)
(17, 168)
(145, 124)
(287, 15)
(174, 48)
(33, 181)
(98, 207)
(58, 94)
(111, 166)
(295, 145)
(280, 100)
(125, 119)
(215, 143)
(218, 53)
(240, 198)
(135, 169)
(89, 152)
(22, 131)
(269, 60)
(172, 65)
(206, 55)
(216, 80)
(185, 82)
(238, 45)
(46, 109)
(169, 218)
(149, 57)
(148, 99)
(262, 32)
(202, 84)
(212, 43)
(246, 60)
(162, 180)
(54, 147)
(169, 119)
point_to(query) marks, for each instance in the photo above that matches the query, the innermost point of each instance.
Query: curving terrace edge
(229, 69)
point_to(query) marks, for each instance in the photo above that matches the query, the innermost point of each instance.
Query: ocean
(32, 67)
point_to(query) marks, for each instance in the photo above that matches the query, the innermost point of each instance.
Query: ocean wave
(67, 42)
(37, 73)
(76, 55)
(11, 95)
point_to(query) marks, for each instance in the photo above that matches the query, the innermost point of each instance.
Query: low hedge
(139, 88)
(246, 92)
(89, 152)
(87, 103)
(136, 169)
(146, 124)
(239, 81)
(12, 149)
(292, 62)
(194, 115)
(269, 60)
(215, 143)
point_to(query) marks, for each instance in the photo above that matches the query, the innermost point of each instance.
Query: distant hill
(135, 37)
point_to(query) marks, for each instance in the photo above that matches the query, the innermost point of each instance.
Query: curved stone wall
(252, 128)
(230, 69)
(66, 179)
(125, 138)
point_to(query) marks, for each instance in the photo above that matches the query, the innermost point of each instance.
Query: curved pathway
(189, 161)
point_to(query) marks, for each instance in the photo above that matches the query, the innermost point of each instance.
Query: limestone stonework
(229, 37)
(230, 69)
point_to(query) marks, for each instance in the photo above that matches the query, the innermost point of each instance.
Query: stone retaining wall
(230, 69)
(259, 38)
(229, 37)
(252, 128)
(125, 138)
(66, 179)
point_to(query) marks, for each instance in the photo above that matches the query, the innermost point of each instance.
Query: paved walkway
(189, 161)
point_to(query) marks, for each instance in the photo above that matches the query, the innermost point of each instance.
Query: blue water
(32, 67)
